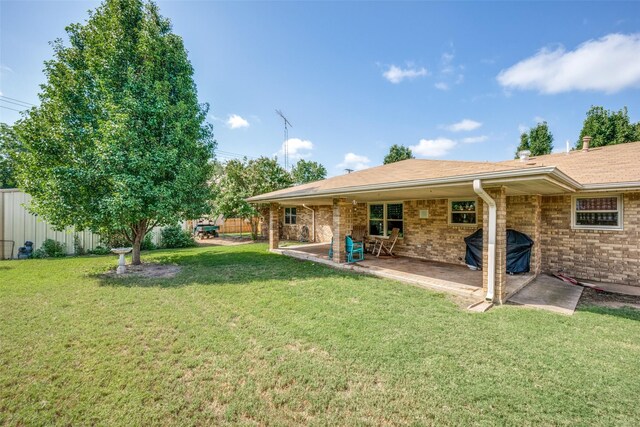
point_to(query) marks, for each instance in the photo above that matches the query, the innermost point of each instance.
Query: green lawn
(242, 336)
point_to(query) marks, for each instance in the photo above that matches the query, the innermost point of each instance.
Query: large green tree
(242, 179)
(8, 145)
(608, 127)
(398, 153)
(308, 171)
(119, 142)
(539, 140)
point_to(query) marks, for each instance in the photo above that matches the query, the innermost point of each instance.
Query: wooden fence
(234, 225)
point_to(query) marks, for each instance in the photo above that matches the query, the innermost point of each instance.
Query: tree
(242, 179)
(608, 127)
(308, 171)
(119, 142)
(539, 140)
(398, 153)
(8, 145)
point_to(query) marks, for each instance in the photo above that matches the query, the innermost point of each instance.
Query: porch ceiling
(515, 187)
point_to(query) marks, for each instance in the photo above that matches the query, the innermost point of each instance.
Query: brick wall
(598, 255)
(524, 215)
(323, 226)
(434, 238)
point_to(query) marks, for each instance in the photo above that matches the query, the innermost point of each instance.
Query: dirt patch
(607, 299)
(225, 241)
(161, 271)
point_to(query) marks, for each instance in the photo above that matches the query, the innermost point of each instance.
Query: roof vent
(524, 155)
(586, 140)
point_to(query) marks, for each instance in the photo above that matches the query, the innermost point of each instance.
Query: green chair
(355, 251)
(331, 249)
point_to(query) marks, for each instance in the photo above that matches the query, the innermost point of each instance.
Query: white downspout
(313, 222)
(491, 274)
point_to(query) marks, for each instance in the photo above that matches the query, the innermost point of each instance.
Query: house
(581, 208)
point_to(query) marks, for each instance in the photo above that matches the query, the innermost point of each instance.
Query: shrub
(147, 243)
(99, 250)
(77, 246)
(175, 237)
(50, 249)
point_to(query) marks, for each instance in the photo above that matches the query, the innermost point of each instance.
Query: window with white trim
(602, 212)
(384, 217)
(463, 212)
(290, 216)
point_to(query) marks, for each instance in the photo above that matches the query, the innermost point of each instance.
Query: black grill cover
(518, 251)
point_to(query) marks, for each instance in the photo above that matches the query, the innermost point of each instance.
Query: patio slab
(439, 276)
(548, 293)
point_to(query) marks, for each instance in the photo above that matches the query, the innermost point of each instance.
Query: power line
(17, 100)
(12, 109)
(14, 103)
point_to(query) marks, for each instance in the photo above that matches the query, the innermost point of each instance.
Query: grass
(242, 336)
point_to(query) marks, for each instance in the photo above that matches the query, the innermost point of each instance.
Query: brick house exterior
(582, 214)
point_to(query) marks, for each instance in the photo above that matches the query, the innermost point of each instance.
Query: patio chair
(386, 244)
(354, 250)
(331, 249)
(359, 233)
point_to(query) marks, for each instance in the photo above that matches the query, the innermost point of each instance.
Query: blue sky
(454, 80)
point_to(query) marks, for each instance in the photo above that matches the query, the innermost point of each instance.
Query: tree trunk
(135, 256)
(138, 231)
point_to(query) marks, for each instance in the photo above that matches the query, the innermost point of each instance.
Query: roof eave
(495, 177)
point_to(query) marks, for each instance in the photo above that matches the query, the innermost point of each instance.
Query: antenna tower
(287, 123)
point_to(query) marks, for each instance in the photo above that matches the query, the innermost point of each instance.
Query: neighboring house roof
(599, 167)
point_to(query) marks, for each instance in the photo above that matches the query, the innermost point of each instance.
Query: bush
(147, 244)
(77, 246)
(114, 240)
(50, 249)
(175, 237)
(99, 250)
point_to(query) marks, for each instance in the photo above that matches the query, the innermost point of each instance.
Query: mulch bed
(592, 297)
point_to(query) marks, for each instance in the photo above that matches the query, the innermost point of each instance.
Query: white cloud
(523, 128)
(297, 148)
(605, 64)
(433, 147)
(354, 161)
(236, 122)
(538, 119)
(463, 125)
(396, 74)
(474, 139)
(442, 86)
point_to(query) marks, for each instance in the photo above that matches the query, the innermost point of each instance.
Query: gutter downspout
(491, 273)
(313, 222)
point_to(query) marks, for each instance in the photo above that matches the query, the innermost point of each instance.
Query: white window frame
(384, 217)
(620, 212)
(290, 216)
(451, 212)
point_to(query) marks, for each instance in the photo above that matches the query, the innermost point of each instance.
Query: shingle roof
(602, 165)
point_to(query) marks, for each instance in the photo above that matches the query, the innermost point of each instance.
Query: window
(384, 217)
(462, 212)
(290, 216)
(597, 212)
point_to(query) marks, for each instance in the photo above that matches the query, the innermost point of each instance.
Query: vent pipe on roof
(586, 140)
(524, 155)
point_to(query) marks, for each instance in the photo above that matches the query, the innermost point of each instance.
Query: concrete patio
(450, 278)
